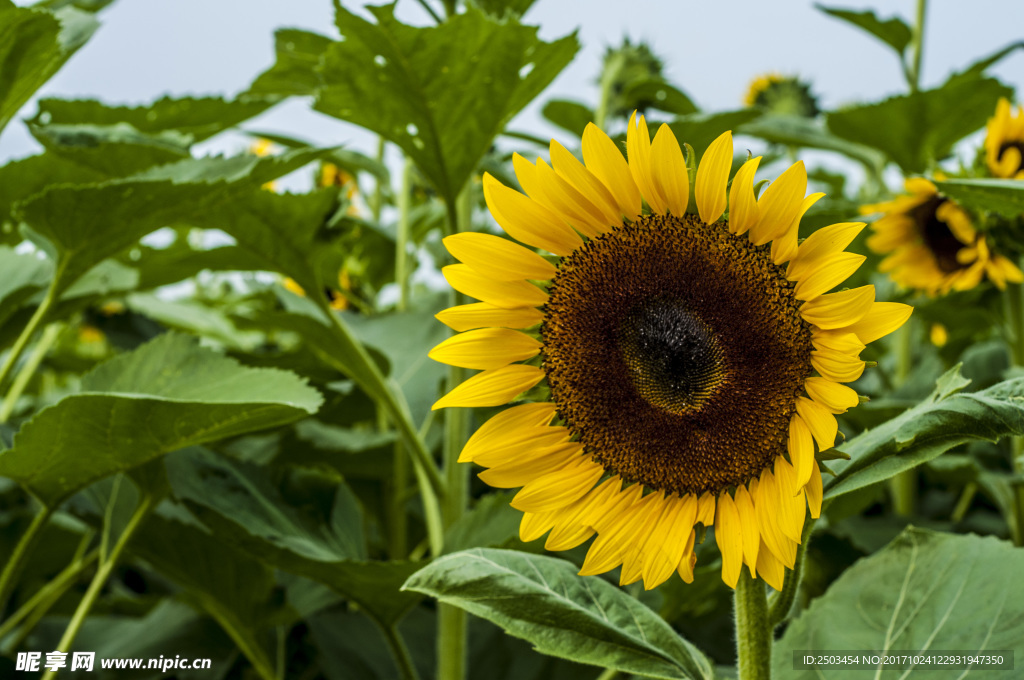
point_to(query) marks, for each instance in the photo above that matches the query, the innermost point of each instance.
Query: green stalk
(16, 561)
(917, 45)
(377, 198)
(904, 485)
(41, 602)
(146, 504)
(452, 622)
(400, 653)
(26, 333)
(753, 630)
(29, 369)
(1015, 316)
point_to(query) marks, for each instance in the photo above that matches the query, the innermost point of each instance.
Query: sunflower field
(679, 393)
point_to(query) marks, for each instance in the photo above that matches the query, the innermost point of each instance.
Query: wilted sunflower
(690, 370)
(1004, 143)
(933, 243)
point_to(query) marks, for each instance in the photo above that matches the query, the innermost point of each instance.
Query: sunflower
(1004, 143)
(932, 244)
(690, 369)
(779, 94)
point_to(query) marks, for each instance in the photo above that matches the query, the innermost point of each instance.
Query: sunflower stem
(753, 629)
(24, 376)
(30, 329)
(904, 485)
(377, 197)
(917, 45)
(452, 622)
(1015, 316)
(22, 550)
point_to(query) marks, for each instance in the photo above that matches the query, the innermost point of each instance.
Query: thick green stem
(452, 622)
(753, 630)
(29, 369)
(782, 604)
(917, 45)
(16, 561)
(41, 602)
(963, 504)
(377, 197)
(26, 333)
(146, 504)
(903, 486)
(400, 653)
(1015, 318)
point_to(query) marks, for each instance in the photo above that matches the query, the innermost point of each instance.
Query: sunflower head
(932, 245)
(695, 361)
(624, 66)
(784, 95)
(1004, 142)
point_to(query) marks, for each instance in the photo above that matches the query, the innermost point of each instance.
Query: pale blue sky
(148, 48)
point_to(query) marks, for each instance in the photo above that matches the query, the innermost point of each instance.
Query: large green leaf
(893, 32)
(164, 396)
(946, 419)
(809, 134)
(294, 73)
(492, 523)
(568, 115)
(28, 176)
(918, 129)
(87, 224)
(112, 150)
(197, 117)
(979, 67)
(23, 275)
(244, 510)
(1003, 196)
(34, 44)
(238, 592)
(925, 592)
(542, 600)
(441, 93)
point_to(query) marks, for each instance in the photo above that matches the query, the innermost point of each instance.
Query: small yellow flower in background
(90, 334)
(932, 244)
(1004, 142)
(939, 335)
(776, 93)
(112, 308)
(261, 148)
(694, 362)
(333, 176)
(338, 300)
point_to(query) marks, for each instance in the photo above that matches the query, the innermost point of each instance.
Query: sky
(149, 48)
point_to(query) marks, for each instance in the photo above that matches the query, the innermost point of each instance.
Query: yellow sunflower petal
(836, 310)
(820, 421)
(841, 341)
(485, 348)
(605, 160)
(668, 543)
(784, 248)
(638, 148)
(883, 318)
(498, 257)
(514, 473)
(559, 488)
(706, 509)
(830, 273)
(729, 537)
(579, 211)
(585, 181)
(481, 314)
(573, 526)
(770, 568)
(633, 555)
(748, 525)
(767, 504)
(527, 221)
(779, 204)
(791, 500)
(689, 559)
(837, 367)
(801, 448)
(712, 176)
(492, 388)
(833, 396)
(524, 443)
(823, 243)
(744, 212)
(814, 492)
(612, 542)
(507, 425)
(507, 294)
(533, 525)
(669, 169)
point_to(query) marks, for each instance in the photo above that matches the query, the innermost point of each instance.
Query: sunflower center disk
(937, 235)
(675, 352)
(673, 358)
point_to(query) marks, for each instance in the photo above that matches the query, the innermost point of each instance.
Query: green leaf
(1003, 196)
(34, 44)
(195, 317)
(197, 117)
(441, 93)
(90, 223)
(294, 73)
(583, 619)
(115, 150)
(571, 116)
(164, 396)
(492, 523)
(809, 134)
(655, 93)
(502, 8)
(700, 129)
(248, 513)
(979, 67)
(238, 592)
(926, 591)
(23, 275)
(916, 130)
(344, 439)
(946, 419)
(893, 32)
